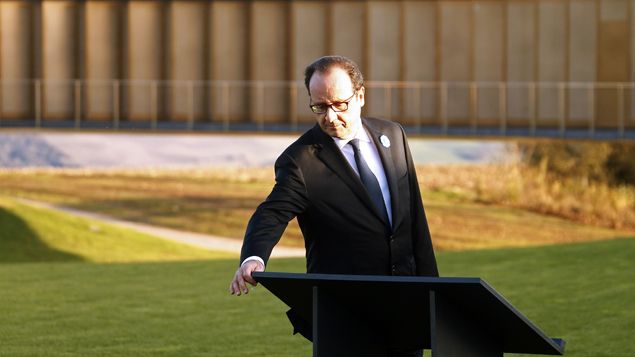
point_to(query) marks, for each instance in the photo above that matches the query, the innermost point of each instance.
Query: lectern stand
(359, 315)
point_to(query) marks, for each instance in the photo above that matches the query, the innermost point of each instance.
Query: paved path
(205, 241)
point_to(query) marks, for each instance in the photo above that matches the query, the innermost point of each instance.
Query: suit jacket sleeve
(426, 264)
(287, 199)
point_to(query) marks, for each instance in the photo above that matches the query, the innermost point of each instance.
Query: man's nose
(330, 114)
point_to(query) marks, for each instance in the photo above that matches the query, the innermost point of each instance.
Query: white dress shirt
(371, 156)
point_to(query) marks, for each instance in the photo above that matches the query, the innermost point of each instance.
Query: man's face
(329, 89)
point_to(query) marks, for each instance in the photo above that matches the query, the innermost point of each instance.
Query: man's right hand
(243, 275)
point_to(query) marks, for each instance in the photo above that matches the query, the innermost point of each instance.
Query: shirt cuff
(253, 257)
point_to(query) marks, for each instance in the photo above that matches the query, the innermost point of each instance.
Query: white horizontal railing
(444, 105)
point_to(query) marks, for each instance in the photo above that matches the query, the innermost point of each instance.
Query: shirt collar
(360, 134)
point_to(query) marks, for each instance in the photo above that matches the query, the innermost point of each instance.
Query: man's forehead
(332, 85)
(334, 76)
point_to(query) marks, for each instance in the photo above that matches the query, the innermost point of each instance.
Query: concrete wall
(521, 56)
(551, 66)
(229, 60)
(16, 50)
(170, 56)
(456, 27)
(419, 61)
(582, 59)
(60, 42)
(489, 64)
(269, 45)
(188, 20)
(384, 57)
(103, 58)
(349, 30)
(613, 57)
(147, 45)
(307, 44)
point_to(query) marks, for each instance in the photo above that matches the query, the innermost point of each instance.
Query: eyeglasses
(336, 106)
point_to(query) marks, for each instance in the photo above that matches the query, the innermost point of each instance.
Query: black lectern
(361, 315)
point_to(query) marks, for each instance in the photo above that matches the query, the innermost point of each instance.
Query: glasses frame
(346, 101)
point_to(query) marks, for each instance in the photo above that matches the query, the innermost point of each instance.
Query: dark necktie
(369, 180)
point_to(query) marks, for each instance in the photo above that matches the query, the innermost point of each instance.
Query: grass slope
(582, 293)
(30, 234)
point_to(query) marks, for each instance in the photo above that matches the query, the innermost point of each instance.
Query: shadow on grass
(20, 244)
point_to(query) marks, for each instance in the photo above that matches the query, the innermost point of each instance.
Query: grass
(579, 292)
(59, 298)
(210, 202)
(31, 234)
(221, 202)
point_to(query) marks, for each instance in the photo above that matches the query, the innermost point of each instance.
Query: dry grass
(467, 206)
(531, 188)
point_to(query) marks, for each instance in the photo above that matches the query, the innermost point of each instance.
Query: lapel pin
(384, 141)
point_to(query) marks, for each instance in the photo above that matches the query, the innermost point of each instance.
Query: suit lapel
(385, 153)
(328, 152)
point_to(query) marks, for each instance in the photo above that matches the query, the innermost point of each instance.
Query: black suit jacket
(343, 231)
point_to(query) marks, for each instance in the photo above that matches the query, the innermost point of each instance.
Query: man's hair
(324, 64)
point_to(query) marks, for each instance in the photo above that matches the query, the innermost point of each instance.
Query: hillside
(30, 234)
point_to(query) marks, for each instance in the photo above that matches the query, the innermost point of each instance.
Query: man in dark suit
(352, 185)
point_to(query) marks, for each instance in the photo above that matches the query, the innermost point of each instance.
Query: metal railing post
(38, 103)
(620, 110)
(561, 109)
(591, 103)
(502, 107)
(190, 102)
(418, 107)
(154, 102)
(443, 88)
(260, 98)
(225, 99)
(533, 115)
(473, 107)
(115, 104)
(78, 102)
(2, 101)
(388, 101)
(293, 105)
(261, 106)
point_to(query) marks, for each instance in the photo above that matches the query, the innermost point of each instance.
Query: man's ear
(361, 96)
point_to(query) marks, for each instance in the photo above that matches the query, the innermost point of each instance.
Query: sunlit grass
(579, 292)
(29, 234)
(532, 188)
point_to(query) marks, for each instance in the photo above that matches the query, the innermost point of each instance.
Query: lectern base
(365, 316)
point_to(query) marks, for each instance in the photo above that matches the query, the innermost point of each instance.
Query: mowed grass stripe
(580, 292)
(29, 234)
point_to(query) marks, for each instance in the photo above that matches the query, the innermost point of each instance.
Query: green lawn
(583, 293)
(75, 287)
(30, 234)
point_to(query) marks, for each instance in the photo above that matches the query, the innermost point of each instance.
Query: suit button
(394, 269)
(392, 239)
